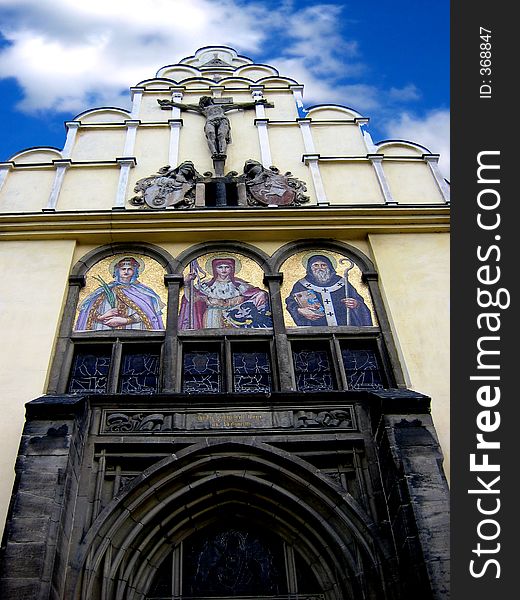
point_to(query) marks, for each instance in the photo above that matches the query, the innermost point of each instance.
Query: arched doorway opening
(230, 519)
(234, 558)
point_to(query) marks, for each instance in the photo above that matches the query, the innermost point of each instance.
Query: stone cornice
(262, 223)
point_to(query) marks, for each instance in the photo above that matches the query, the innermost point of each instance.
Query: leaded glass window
(234, 562)
(362, 369)
(202, 373)
(140, 371)
(89, 374)
(313, 368)
(251, 372)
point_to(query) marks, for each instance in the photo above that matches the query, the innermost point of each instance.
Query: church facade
(231, 375)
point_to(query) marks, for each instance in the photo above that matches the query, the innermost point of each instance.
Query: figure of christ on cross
(217, 128)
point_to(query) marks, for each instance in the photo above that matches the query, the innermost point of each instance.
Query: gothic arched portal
(283, 523)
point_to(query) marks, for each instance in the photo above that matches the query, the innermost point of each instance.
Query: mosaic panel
(215, 296)
(125, 291)
(323, 288)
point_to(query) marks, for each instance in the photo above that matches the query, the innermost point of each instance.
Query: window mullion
(227, 366)
(338, 362)
(115, 367)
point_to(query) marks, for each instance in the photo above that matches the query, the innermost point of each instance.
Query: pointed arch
(249, 479)
(259, 256)
(283, 253)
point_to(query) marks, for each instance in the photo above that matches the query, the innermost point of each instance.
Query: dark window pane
(140, 372)
(201, 373)
(251, 372)
(362, 369)
(313, 370)
(233, 562)
(89, 373)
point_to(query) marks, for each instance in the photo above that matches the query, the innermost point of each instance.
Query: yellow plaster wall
(26, 190)
(415, 282)
(89, 188)
(245, 143)
(255, 72)
(338, 140)
(281, 138)
(150, 109)
(400, 150)
(352, 182)
(193, 145)
(412, 182)
(151, 152)
(331, 113)
(100, 143)
(39, 155)
(33, 284)
(284, 105)
(105, 116)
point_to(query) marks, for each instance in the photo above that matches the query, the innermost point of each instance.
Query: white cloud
(432, 131)
(405, 94)
(70, 56)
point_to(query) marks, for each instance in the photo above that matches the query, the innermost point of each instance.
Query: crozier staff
(324, 298)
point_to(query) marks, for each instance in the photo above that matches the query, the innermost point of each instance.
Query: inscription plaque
(230, 420)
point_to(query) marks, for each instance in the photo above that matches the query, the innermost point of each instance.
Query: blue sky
(388, 59)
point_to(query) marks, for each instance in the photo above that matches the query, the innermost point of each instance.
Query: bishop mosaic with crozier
(217, 128)
(322, 297)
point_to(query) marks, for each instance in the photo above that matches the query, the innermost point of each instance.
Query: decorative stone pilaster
(416, 491)
(171, 355)
(72, 130)
(297, 91)
(175, 123)
(137, 96)
(311, 160)
(64, 347)
(131, 132)
(261, 123)
(126, 163)
(217, 90)
(377, 160)
(308, 142)
(273, 283)
(5, 167)
(433, 163)
(61, 166)
(367, 138)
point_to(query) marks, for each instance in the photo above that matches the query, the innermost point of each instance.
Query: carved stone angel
(169, 188)
(268, 187)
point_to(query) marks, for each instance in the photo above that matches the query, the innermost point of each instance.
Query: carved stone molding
(169, 188)
(267, 187)
(148, 422)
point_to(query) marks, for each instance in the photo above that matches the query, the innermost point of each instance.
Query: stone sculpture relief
(168, 188)
(267, 187)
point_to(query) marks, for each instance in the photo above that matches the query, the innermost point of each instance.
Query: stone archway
(256, 483)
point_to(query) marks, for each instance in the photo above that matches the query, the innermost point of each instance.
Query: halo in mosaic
(224, 290)
(125, 291)
(324, 288)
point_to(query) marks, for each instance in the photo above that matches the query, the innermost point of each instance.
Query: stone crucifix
(217, 128)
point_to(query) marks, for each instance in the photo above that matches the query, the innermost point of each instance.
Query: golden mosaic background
(293, 270)
(152, 276)
(245, 268)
